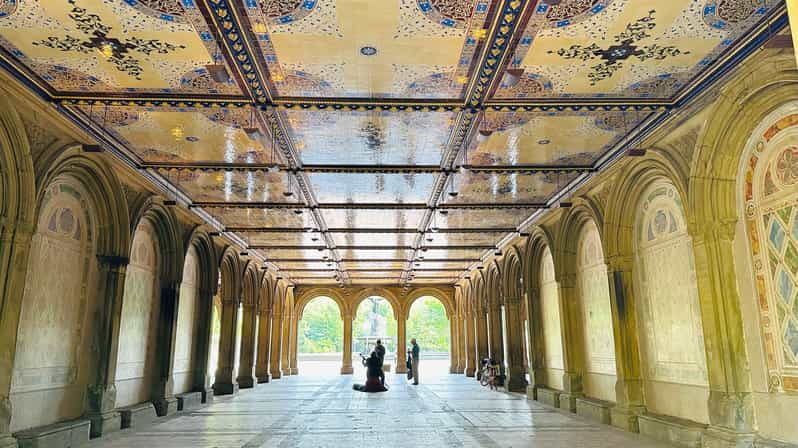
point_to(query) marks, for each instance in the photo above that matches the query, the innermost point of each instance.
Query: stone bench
(594, 409)
(674, 430)
(189, 400)
(60, 435)
(138, 415)
(548, 396)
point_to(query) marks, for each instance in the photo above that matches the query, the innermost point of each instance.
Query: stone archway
(429, 320)
(320, 333)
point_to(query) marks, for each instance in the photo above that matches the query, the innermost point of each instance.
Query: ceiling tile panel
(478, 238)
(424, 264)
(623, 48)
(548, 138)
(371, 188)
(505, 188)
(307, 254)
(183, 135)
(329, 137)
(372, 254)
(457, 218)
(362, 48)
(453, 253)
(374, 239)
(255, 217)
(369, 219)
(374, 265)
(128, 48)
(232, 186)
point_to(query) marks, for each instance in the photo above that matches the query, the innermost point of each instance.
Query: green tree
(321, 329)
(427, 323)
(382, 308)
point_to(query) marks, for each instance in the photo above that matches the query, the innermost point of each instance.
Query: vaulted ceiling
(374, 141)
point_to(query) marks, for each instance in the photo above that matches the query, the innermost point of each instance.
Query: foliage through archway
(427, 322)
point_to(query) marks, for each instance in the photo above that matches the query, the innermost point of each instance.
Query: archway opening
(320, 338)
(374, 319)
(428, 323)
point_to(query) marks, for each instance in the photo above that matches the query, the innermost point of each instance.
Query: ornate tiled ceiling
(373, 142)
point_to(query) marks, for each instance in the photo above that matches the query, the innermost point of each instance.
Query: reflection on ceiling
(373, 142)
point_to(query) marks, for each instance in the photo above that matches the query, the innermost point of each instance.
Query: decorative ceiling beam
(371, 270)
(398, 169)
(344, 230)
(375, 260)
(366, 206)
(366, 247)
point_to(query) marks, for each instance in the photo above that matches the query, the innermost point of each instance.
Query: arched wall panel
(550, 319)
(188, 316)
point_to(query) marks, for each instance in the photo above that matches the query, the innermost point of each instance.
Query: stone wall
(187, 320)
(550, 309)
(596, 316)
(52, 361)
(138, 329)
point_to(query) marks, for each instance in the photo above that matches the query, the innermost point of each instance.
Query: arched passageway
(428, 322)
(320, 337)
(374, 319)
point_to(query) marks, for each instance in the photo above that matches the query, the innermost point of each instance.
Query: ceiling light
(444, 212)
(424, 249)
(288, 193)
(320, 249)
(314, 239)
(169, 202)
(453, 194)
(635, 152)
(483, 135)
(91, 148)
(218, 73)
(298, 211)
(273, 169)
(497, 253)
(435, 229)
(243, 253)
(253, 133)
(429, 239)
(565, 204)
(511, 77)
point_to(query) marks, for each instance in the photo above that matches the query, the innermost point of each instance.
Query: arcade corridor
(312, 411)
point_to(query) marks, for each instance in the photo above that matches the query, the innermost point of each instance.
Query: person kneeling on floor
(373, 366)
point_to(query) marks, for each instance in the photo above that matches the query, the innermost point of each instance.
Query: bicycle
(489, 374)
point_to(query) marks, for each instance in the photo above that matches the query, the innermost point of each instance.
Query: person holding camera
(379, 349)
(373, 367)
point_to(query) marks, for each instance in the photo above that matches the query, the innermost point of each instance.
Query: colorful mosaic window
(771, 208)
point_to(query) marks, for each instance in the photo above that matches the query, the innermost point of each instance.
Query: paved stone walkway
(444, 411)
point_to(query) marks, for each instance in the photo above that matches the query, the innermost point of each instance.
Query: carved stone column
(572, 341)
(246, 360)
(516, 373)
(163, 385)
(536, 348)
(454, 344)
(496, 342)
(294, 339)
(731, 403)
(14, 252)
(346, 362)
(285, 359)
(101, 396)
(482, 337)
(401, 343)
(264, 347)
(471, 350)
(276, 349)
(629, 382)
(202, 377)
(225, 381)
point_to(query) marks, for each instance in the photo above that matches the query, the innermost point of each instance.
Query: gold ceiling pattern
(373, 142)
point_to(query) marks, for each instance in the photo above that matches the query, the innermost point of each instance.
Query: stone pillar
(264, 347)
(496, 342)
(629, 382)
(454, 344)
(285, 361)
(572, 343)
(516, 373)
(202, 378)
(246, 359)
(471, 350)
(101, 394)
(225, 381)
(401, 343)
(276, 348)
(294, 340)
(163, 396)
(346, 362)
(14, 252)
(731, 403)
(482, 336)
(524, 327)
(537, 372)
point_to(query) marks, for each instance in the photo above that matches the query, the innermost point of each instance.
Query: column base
(294, 371)
(568, 401)
(531, 392)
(207, 395)
(455, 370)
(470, 372)
(276, 374)
(265, 378)
(246, 382)
(401, 368)
(8, 441)
(165, 406)
(715, 437)
(347, 370)
(105, 423)
(626, 417)
(287, 372)
(515, 385)
(225, 389)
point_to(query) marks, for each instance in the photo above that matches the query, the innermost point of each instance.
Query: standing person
(414, 353)
(379, 349)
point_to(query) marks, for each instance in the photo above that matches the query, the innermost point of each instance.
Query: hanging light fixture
(252, 130)
(483, 135)
(289, 191)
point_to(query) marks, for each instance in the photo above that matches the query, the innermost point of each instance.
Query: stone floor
(324, 411)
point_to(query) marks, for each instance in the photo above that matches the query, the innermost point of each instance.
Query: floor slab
(317, 411)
